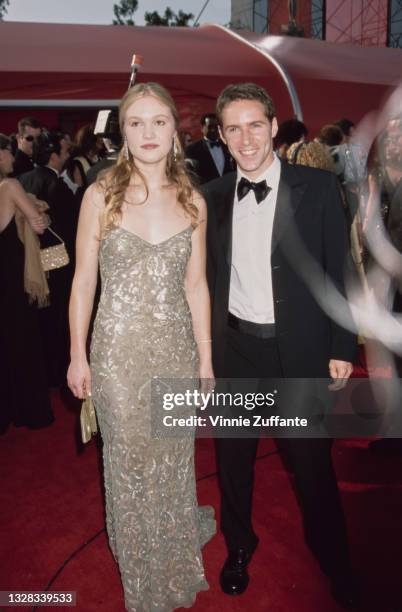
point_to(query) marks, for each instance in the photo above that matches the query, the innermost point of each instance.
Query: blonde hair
(312, 154)
(115, 180)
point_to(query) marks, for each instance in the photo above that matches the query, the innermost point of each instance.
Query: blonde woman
(312, 154)
(146, 225)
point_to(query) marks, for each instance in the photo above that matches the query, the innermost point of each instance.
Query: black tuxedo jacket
(205, 167)
(309, 244)
(22, 163)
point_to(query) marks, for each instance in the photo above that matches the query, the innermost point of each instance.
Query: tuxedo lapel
(290, 193)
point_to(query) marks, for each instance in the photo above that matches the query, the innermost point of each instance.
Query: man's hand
(339, 372)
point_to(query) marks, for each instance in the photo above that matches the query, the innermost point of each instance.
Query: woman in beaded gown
(145, 225)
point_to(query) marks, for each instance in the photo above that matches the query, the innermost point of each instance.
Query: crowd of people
(173, 223)
(43, 175)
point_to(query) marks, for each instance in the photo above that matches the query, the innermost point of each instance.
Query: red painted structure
(64, 73)
(359, 22)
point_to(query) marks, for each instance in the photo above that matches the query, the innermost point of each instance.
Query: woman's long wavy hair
(312, 154)
(115, 181)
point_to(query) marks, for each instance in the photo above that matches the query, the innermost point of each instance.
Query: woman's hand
(207, 378)
(39, 223)
(79, 378)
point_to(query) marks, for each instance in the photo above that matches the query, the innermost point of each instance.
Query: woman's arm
(21, 201)
(197, 293)
(83, 289)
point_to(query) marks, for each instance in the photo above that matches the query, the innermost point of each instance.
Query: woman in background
(86, 151)
(24, 390)
(312, 154)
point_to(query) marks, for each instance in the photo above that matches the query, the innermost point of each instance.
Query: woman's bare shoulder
(95, 195)
(10, 185)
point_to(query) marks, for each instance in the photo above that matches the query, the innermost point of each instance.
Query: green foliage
(124, 12)
(125, 9)
(170, 18)
(3, 8)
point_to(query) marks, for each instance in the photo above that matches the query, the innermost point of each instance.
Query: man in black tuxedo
(29, 129)
(266, 322)
(209, 156)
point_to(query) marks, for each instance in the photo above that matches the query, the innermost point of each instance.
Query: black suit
(22, 163)
(205, 167)
(308, 206)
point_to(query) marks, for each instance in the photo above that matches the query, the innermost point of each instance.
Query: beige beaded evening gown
(143, 329)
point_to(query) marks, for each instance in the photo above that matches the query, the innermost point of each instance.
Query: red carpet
(52, 505)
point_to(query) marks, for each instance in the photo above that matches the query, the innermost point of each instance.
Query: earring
(175, 149)
(125, 150)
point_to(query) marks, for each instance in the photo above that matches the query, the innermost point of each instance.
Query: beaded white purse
(54, 257)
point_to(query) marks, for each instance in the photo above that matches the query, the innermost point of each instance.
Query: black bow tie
(261, 189)
(214, 143)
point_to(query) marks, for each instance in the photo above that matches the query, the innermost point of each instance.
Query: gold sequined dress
(143, 329)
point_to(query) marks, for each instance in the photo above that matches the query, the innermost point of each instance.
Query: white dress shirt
(250, 296)
(217, 155)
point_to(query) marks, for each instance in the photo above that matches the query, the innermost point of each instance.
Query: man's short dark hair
(207, 116)
(43, 147)
(290, 131)
(245, 91)
(28, 122)
(345, 125)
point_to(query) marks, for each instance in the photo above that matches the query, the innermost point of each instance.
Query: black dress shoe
(234, 578)
(345, 591)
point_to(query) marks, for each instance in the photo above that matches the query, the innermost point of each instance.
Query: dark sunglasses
(29, 138)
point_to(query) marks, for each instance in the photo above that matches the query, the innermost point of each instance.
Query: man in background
(28, 131)
(209, 157)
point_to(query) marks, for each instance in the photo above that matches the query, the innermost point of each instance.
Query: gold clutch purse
(88, 420)
(54, 257)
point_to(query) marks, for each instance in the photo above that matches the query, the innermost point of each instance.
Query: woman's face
(6, 160)
(149, 128)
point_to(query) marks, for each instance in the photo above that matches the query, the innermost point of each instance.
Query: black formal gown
(24, 396)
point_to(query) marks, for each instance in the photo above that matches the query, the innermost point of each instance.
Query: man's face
(249, 135)
(25, 141)
(210, 128)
